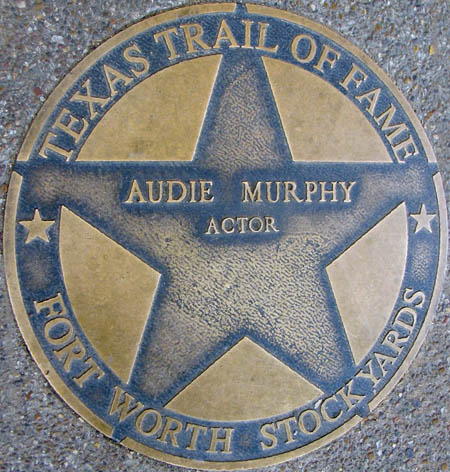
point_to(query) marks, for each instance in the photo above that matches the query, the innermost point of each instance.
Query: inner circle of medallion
(224, 236)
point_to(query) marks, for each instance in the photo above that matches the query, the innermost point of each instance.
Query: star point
(423, 219)
(37, 228)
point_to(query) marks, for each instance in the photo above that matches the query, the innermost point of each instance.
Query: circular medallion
(225, 236)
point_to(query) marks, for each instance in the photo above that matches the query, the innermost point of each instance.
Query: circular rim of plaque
(277, 440)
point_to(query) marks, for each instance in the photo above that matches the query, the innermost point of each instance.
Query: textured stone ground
(40, 41)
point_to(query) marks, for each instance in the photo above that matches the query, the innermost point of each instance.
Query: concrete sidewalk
(40, 41)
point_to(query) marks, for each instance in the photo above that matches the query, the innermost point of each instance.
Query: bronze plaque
(224, 236)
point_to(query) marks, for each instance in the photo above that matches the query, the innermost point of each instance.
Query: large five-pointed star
(272, 288)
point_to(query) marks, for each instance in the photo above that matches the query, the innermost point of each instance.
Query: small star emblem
(423, 219)
(37, 228)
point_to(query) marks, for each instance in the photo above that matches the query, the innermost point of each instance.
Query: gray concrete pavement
(40, 41)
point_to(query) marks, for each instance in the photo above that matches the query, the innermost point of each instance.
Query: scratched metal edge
(21, 315)
(13, 287)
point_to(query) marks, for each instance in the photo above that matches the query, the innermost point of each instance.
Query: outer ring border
(12, 203)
